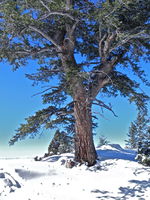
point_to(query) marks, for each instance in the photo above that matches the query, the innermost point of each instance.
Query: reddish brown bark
(84, 146)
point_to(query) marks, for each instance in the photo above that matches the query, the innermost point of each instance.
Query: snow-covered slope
(115, 151)
(116, 176)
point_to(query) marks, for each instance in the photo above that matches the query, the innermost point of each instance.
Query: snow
(115, 176)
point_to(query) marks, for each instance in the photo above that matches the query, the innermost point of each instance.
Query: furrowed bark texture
(84, 146)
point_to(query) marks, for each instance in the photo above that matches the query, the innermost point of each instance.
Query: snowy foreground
(116, 176)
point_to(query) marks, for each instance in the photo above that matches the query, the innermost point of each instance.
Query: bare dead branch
(56, 13)
(101, 45)
(102, 104)
(98, 113)
(107, 43)
(102, 72)
(45, 5)
(127, 38)
(74, 27)
(97, 88)
(39, 93)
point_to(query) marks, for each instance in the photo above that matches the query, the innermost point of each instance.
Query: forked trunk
(84, 146)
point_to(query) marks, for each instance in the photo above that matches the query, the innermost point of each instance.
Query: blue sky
(17, 103)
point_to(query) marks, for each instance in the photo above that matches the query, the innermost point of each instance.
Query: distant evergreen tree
(61, 143)
(138, 129)
(102, 141)
(143, 139)
(139, 137)
(148, 132)
(132, 135)
(141, 124)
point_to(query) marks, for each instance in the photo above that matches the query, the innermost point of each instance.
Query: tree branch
(38, 76)
(107, 45)
(45, 36)
(98, 113)
(56, 13)
(102, 104)
(34, 51)
(100, 45)
(43, 91)
(74, 27)
(127, 38)
(87, 63)
(103, 78)
(45, 5)
(68, 4)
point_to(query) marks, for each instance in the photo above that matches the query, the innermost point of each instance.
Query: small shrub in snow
(143, 155)
(37, 158)
(70, 164)
(143, 159)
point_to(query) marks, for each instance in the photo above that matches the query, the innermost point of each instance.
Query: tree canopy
(89, 47)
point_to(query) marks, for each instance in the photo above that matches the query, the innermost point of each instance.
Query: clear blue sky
(17, 103)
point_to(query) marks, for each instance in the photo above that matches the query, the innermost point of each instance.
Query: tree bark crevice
(84, 146)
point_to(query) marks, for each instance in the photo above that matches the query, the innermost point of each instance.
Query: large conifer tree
(110, 36)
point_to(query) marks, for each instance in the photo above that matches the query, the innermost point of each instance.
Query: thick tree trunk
(84, 146)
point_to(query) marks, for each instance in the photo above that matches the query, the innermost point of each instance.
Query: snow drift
(115, 176)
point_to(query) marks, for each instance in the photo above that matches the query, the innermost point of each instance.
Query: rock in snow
(7, 183)
(115, 176)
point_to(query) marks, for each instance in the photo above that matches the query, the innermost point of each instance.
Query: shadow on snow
(28, 175)
(137, 191)
(116, 153)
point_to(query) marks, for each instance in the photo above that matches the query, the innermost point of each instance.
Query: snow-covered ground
(116, 176)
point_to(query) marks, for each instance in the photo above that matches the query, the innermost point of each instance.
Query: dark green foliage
(146, 161)
(139, 137)
(48, 118)
(132, 136)
(142, 122)
(138, 131)
(61, 143)
(143, 159)
(143, 155)
(112, 37)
